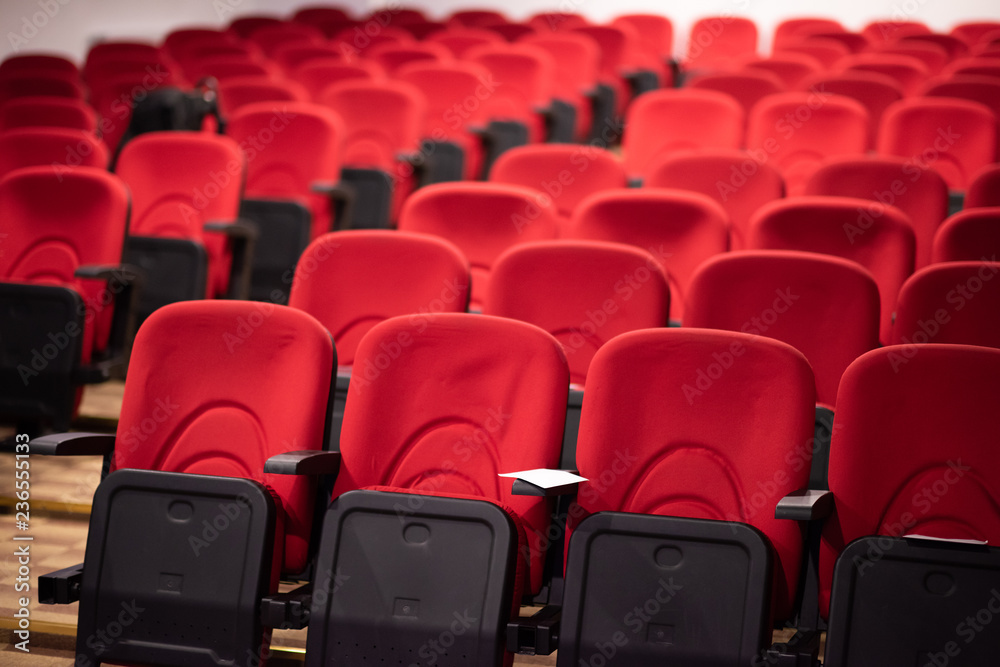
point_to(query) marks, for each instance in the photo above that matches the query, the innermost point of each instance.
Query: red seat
(546, 22)
(909, 72)
(240, 91)
(720, 43)
(933, 56)
(319, 74)
(969, 235)
(180, 181)
(482, 220)
(798, 131)
(356, 44)
(565, 172)
(451, 116)
(655, 32)
(521, 81)
(739, 181)
(952, 302)
(467, 397)
(393, 57)
(48, 112)
(680, 229)
(512, 31)
(39, 83)
(217, 388)
(972, 87)
(476, 18)
(980, 66)
(957, 137)
(826, 51)
(887, 31)
(666, 121)
(791, 68)
(293, 55)
(319, 14)
(56, 321)
(304, 151)
(826, 307)
(352, 280)
(34, 62)
(984, 190)
(272, 37)
(955, 47)
(792, 30)
(747, 87)
(230, 67)
(679, 403)
(854, 41)
(59, 147)
(114, 100)
(245, 25)
(873, 90)
(972, 32)
(584, 293)
(892, 181)
(891, 475)
(622, 58)
(879, 239)
(577, 62)
(460, 40)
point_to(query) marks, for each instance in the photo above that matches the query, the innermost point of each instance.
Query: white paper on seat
(545, 478)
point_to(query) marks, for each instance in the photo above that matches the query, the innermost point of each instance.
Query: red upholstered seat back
(701, 424)
(55, 221)
(873, 90)
(825, 307)
(64, 148)
(953, 302)
(240, 91)
(218, 387)
(971, 235)
(482, 220)
(568, 173)
(679, 119)
(720, 42)
(48, 112)
(577, 59)
(521, 82)
(985, 188)
(798, 131)
(352, 280)
(915, 450)
(317, 74)
(960, 135)
(879, 239)
(740, 183)
(681, 229)
(747, 87)
(919, 193)
(457, 399)
(582, 292)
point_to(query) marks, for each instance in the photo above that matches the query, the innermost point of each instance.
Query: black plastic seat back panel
(172, 269)
(405, 579)
(175, 568)
(283, 231)
(655, 590)
(899, 602)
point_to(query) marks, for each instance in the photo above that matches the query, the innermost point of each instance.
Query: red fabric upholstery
(112, 100)
(482, 220)
(58, 147)
(701, 424)
(448, 88)
(792, 30)
(656, 34)
(37, 61)
(48, 112)
(953, 302)
(873, 90)
(394, 56)
(889, 31)
(960, 134)
(984, 190)
(272, 37)
(577, 59)
(566, 172)
(747, 87)
(304, 150)
(739, 182)
(720, 43)
(620, 53)
(919, 193)
(57, 220)
(972, 31)
(452, 402)
(909, 72)
(879, 238)
(825, 307)
(34, 83)
(915, 450)
(933, 56)
(475, 18)
(679, 119)
(352, 280)
(825, 50)
(459, 40)
(180, 181)
(241, 91)
(584, 293)
(798, 131)
(218, 387)
(680, 229)
(792, 68)
(955, 47)
(320, 73)
(245, 25)
(969, 235)
(293, 55)
(521, 80)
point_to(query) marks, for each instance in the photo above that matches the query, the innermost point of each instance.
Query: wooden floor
(61, 492)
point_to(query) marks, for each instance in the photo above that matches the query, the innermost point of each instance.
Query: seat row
(695, 446)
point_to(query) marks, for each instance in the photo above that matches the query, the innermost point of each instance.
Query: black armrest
(61, 587)
(523, 488)
(241, 233)
(342, 197)
(635, 182)
(308, 462)
(121, 272)
(74, 444)
(123, 281)
(537, 634)
(288, 611)
(805, 505)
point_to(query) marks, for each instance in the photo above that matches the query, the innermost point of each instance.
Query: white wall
(68, 26)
